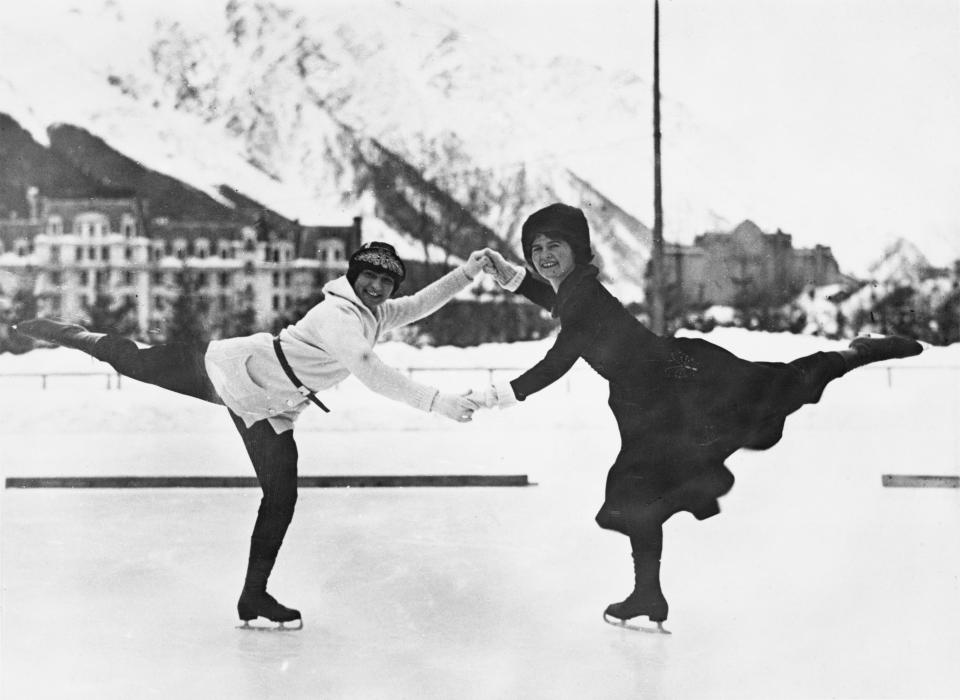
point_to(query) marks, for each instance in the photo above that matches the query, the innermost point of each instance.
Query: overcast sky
(814, 111)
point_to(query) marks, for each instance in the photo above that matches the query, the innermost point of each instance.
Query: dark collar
(578, 275)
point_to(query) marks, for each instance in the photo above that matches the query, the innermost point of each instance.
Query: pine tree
(105, 317)
(187, 323)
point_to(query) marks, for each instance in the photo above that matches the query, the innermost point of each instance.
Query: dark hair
(379, 257)
(561, 222)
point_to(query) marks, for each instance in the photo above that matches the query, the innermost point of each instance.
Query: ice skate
(655, 609)
(878, 348)
(253, 606)
(69, 335)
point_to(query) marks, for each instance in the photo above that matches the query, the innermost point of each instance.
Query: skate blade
(259, 625)
(636, 627)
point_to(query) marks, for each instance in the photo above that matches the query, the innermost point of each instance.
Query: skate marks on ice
(636, 626)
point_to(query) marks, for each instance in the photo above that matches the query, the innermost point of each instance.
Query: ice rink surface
(814, 582)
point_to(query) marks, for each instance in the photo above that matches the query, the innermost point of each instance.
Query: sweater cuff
(515, 281)
(505, 395)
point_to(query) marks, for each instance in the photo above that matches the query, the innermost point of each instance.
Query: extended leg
(274, 459)
(178, 367)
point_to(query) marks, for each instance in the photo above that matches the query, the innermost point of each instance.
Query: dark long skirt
(681, 419)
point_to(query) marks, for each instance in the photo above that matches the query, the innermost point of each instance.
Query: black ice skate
(253, 606)
(69, 335)
(654, 607)
(877, 349)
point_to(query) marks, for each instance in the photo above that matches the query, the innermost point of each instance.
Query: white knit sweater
(334, 340)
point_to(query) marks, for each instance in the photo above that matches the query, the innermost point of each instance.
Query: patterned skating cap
(381, 259)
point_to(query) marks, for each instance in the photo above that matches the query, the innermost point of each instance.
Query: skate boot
(254, 601)
(254, 604)
(891, 347)
(651, 604)
(69, 335)
(646, 599)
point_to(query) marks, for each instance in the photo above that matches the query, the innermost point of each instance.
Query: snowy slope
(278, 102)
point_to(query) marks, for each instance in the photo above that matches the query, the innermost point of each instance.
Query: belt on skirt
(291, 375)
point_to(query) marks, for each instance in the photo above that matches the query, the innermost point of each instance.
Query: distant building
(69, 251)
(743, 266)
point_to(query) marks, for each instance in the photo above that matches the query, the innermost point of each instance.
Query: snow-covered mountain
(901, 263)
(327, 111)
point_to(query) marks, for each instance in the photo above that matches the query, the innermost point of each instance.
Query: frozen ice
(814, 582)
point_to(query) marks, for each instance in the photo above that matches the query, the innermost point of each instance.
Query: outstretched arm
(351, 349)
(579, 328)
(400, 312)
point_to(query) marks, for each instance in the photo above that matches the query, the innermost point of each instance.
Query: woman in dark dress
(682, 405)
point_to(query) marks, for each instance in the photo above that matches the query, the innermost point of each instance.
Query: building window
(55, 225)
(128, 253)
(55, 254)
(286, 279)
(128, 277)
(224, 279)
(79, 254)
(158, 303)
(84, 278)
(202, 279)
(55, 278)
(276, 302)
(276, 279)
(105, 253)
(92, 253)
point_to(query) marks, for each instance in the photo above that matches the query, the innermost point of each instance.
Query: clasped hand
(492, 263)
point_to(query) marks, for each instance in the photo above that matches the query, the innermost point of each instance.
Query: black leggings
(180, 367)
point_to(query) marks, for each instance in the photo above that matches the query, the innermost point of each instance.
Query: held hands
(498, 395)
(461, 407)
(491, 262)
(497, 267)
(455, 407)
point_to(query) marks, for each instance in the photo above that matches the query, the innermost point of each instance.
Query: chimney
(33, 199)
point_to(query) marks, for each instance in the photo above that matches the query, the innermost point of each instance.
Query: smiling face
(552, 258)
(373, 288)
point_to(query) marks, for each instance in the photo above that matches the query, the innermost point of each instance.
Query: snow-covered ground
(815, 582)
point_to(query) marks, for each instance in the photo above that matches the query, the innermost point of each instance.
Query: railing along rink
(928, 390)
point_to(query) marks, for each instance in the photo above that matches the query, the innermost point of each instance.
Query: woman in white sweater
(266, 382)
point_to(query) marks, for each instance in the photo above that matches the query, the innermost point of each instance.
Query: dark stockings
(647, 598)
(274, 457)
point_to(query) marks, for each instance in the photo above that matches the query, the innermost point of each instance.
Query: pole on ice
(657, 319)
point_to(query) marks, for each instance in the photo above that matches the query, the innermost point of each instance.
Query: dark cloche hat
(378, 257)
(559, 221)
